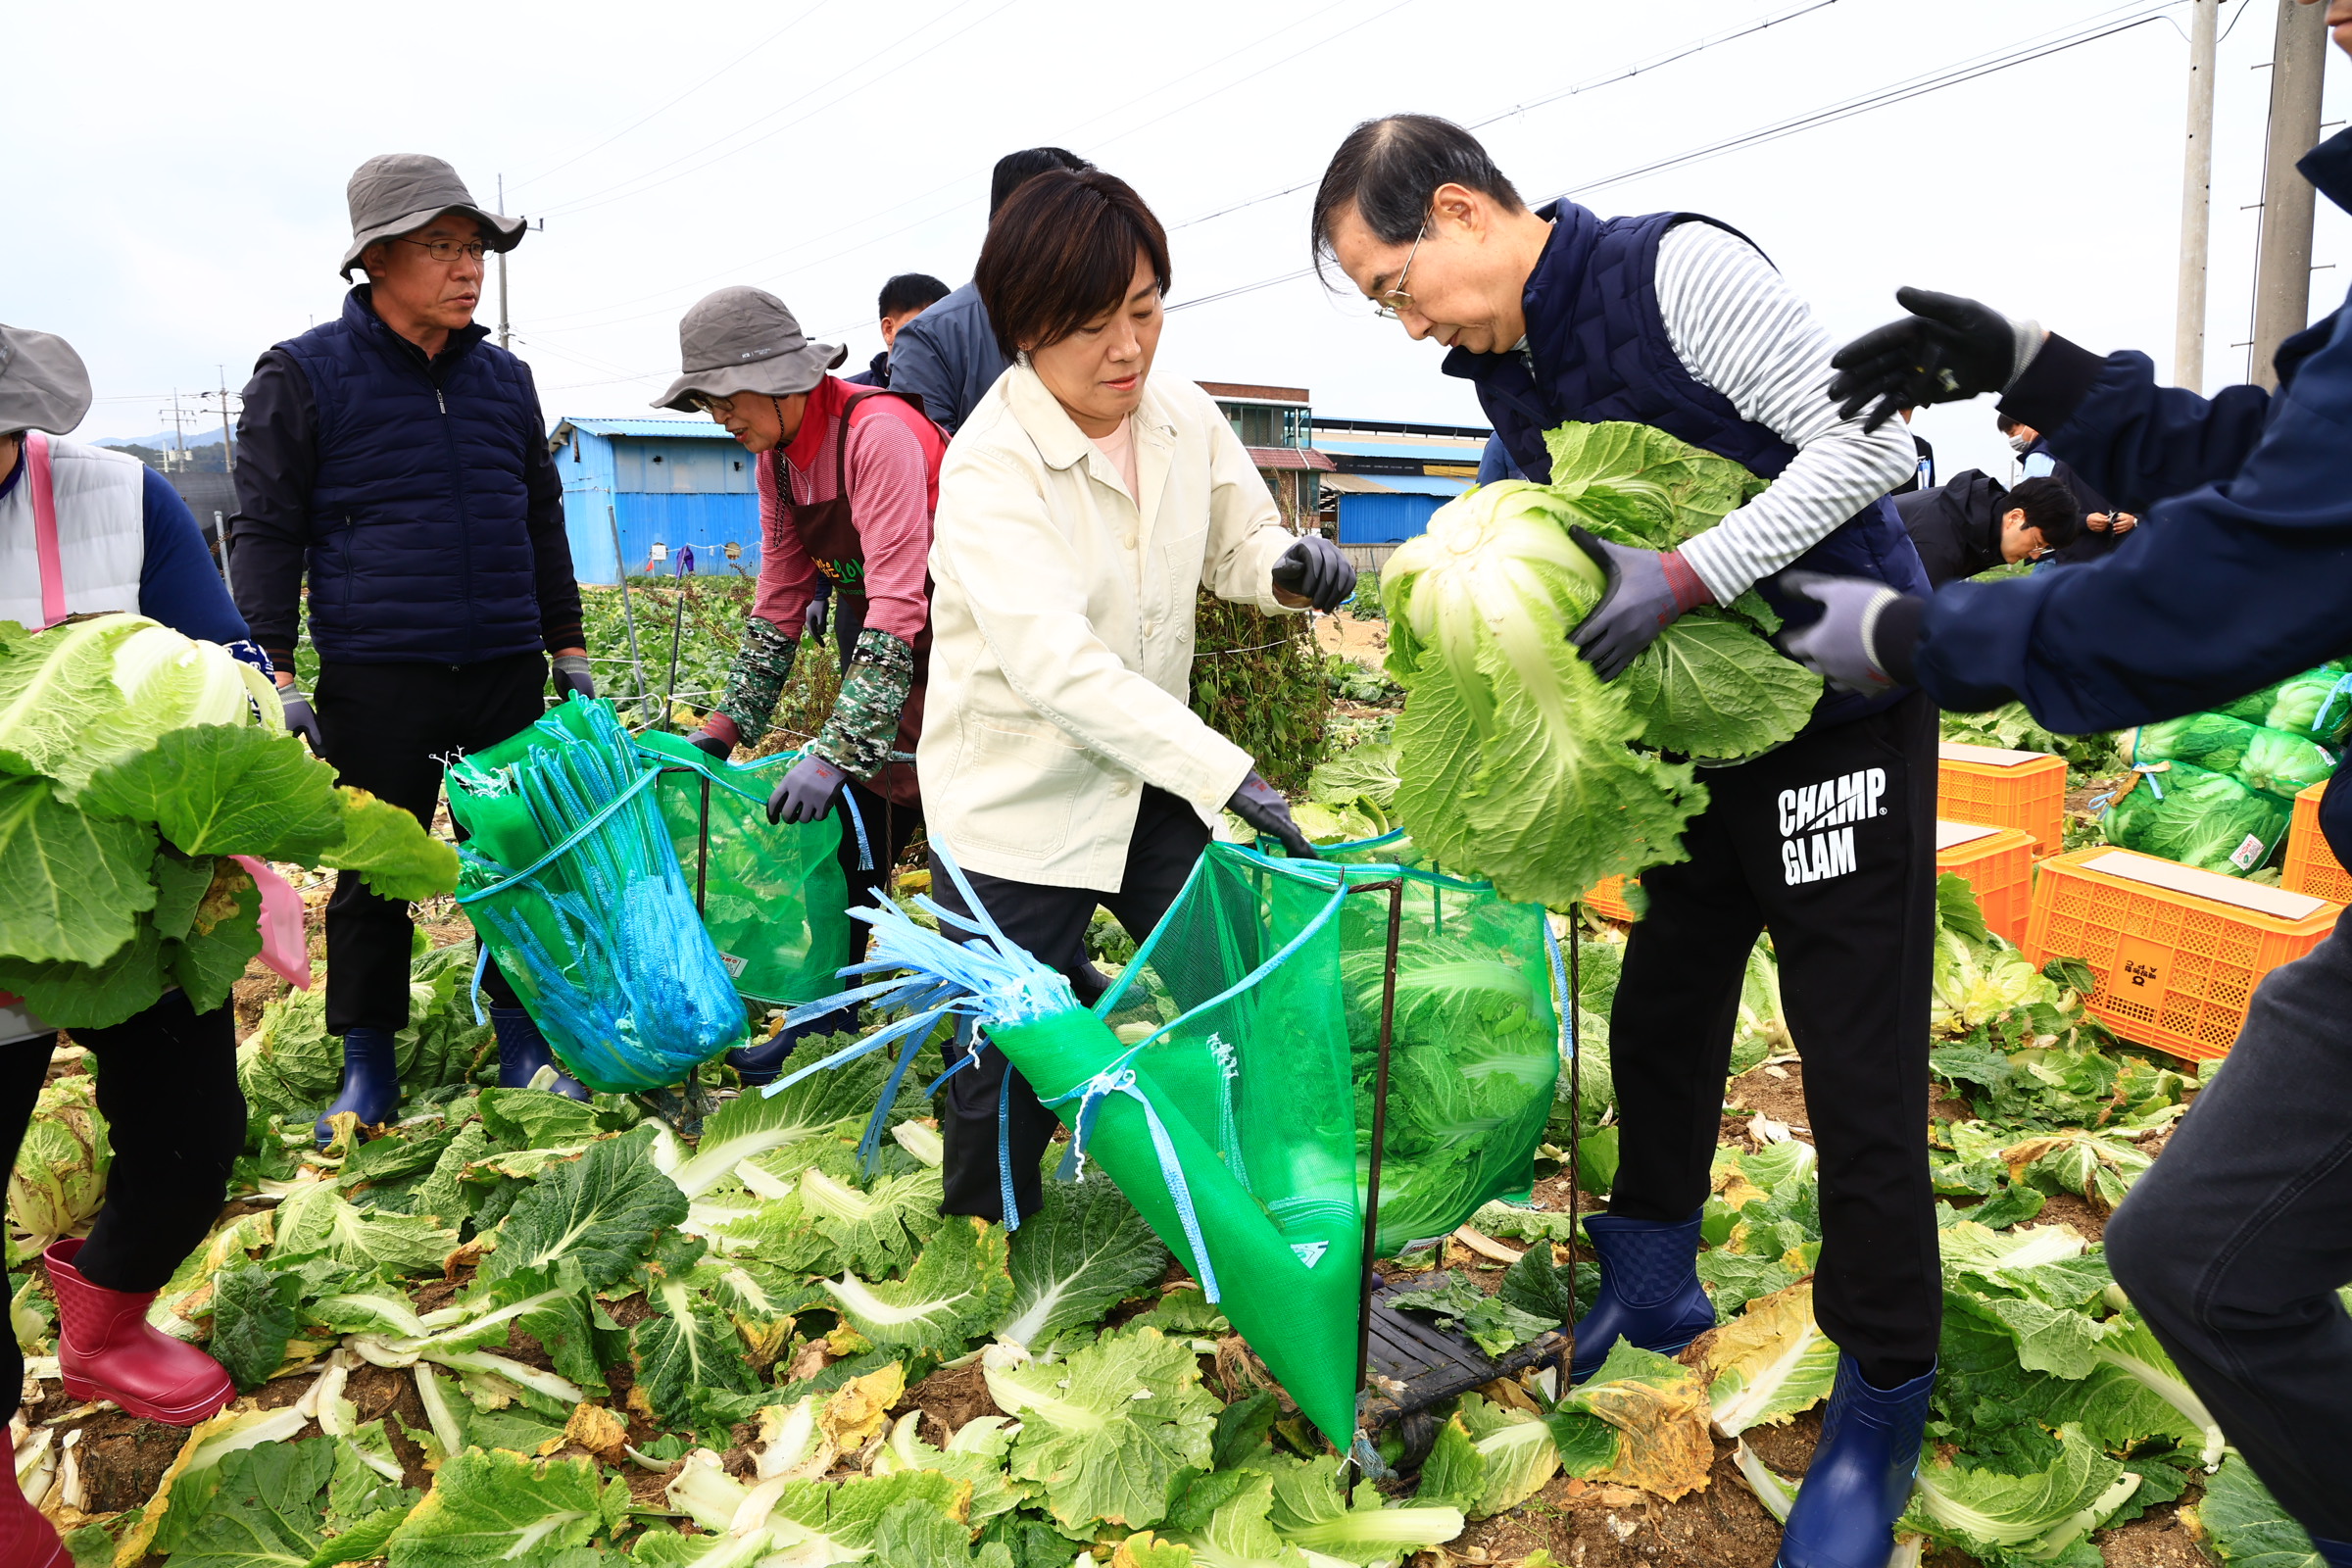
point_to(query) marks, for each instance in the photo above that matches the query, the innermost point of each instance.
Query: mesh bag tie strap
(1119, 1079)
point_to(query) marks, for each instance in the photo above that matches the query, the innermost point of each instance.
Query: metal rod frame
(1394, 888)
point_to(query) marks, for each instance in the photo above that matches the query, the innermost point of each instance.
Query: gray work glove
(1838, 647)
(1948, 350)
(572, 675)
(718, 745)
(300, 719)
(808, 791)
(1314, 569)
(814, 617)
(1648, 590)
(1261, 806)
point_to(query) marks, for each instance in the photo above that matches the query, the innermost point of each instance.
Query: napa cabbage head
(91, 692)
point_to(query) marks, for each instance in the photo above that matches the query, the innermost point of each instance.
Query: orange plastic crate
(2178, 952)
(1607, 899)
(2311, 865)
(1998, 864)
(2004, 789)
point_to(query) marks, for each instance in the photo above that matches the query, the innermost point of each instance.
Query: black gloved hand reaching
(1948, 350)
(808, 789)
(1314, 570)
(573, 674)
(300, 719)
(1261, 806)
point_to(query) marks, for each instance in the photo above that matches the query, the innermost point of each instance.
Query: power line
(969, 179)
(1883, 97)
(1623, 73)
(674, 102)
(889, 53)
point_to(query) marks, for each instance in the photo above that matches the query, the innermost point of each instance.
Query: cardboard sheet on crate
(1988, 756)
(2159, 874)
(1951, 835)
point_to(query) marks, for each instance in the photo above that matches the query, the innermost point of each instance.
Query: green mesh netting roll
(570, 880)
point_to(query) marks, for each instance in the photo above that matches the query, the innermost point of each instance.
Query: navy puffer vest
(1601, 352)
(421, 520)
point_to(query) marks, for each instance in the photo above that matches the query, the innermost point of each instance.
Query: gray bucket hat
(399, 193)
(745, 340)
(43, 383)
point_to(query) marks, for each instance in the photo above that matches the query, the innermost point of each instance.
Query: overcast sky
(180, 173)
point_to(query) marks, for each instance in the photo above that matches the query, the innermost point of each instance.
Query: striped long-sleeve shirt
(1738, 328)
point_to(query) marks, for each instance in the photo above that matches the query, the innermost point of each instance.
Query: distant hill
(196, 436)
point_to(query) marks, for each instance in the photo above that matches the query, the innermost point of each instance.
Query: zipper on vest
(437, 398)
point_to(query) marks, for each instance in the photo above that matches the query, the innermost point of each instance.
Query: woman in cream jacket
(1080, 508)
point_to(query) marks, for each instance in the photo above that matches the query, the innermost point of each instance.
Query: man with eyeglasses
(401, 463)
(1676, 321)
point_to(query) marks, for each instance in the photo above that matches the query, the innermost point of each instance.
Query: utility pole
(540, 226)
(2196, 201)
(228, 442)
(502, 269)
(2283, 264)
(180, 439)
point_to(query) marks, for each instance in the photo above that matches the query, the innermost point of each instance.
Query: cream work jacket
(1061, 623)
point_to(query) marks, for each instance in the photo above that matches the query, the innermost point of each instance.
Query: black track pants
(387, 729)
(167, 1088)
(1830, 844)
(2234, 1245)
(1051, 924)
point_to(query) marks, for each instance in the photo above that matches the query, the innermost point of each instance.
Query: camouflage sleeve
(763, 665)
(865, 717)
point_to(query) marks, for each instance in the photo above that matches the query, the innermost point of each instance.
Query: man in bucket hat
(401, 463)
(848, 479)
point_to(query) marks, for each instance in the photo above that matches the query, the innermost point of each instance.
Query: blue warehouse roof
(1432, 451)
(689, 429)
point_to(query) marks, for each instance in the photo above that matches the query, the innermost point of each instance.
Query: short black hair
(2049, 505)
(911, 291)
(1388, 169)
(1062, 253)
(2003, 424)
(1015, 170)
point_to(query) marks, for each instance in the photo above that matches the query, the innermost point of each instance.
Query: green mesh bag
(1226, 1079)
(570, 880)
(2181, 812)
(772, 895)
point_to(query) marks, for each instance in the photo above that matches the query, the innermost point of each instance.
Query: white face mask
(2019, 442)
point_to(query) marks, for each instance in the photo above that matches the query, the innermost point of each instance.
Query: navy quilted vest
(1599, 352)
(421, 541)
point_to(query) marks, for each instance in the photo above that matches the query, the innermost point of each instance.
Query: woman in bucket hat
(848, 477)
(88, 531)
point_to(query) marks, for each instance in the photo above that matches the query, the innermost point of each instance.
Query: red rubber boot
(107, 1350)
(27, 1539)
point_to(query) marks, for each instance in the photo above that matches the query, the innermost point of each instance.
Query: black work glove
(572, 675)
(1648, 590)
(1314, 569)
(1948, 350)
(300, 719)
(1261, 806)
(718, 745)
(813, 619)
(808, 789)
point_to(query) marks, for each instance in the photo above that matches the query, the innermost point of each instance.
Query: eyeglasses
(720, 407)
(1388, 301)
(448, 249)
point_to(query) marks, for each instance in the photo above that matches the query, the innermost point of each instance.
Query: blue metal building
(655, 485)
(1392, 477)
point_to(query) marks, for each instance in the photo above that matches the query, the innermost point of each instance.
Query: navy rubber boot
(2334, 1553)
(1861, 1475)
(763, 1064)
(522, 1051)
(1649, 1290)
(371, 1082)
